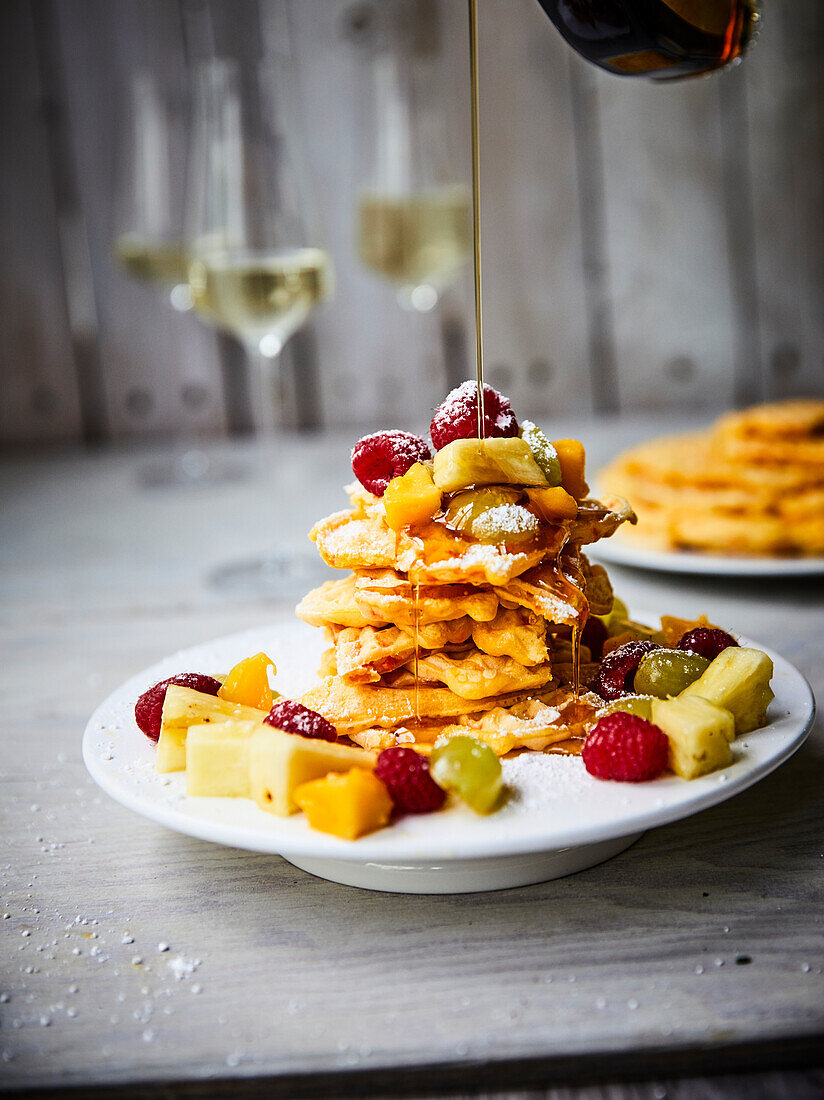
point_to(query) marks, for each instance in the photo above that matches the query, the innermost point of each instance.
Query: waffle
(751, 485)
(433, 633)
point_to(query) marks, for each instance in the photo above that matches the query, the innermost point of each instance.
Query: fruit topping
(553, 504)
(292, 717)
(248, 683)
(464, 508)
(491, 515)
(346, 804)
(673, 629)
(506, 523)
(615, 621)
(624, 747)
(217, 759)
(667, 672)
(279, 763)
(408, 780)
(184, 708)
(379, 457)
(542, 451)
(593, 637)
(467, 462)
(707, 642)
(739, 680)
(699, 734)
(617, 670)
(639, 705)
(457, 416)
(471, 770)
(411, 498)
(572, 457)
(148, 711)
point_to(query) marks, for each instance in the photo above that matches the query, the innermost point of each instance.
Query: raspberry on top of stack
(466, 589)
(752, 484)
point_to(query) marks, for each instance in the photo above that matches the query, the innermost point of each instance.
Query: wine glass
(151, 196)
(257, 268)
(414, 211)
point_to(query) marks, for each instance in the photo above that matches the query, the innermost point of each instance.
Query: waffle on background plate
(752, 484)
(493, 628)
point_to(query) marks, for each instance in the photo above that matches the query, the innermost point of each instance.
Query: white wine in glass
(262, 297)
(418, 241)
(164, 264)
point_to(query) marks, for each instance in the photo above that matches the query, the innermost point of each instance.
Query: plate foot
(465, 876)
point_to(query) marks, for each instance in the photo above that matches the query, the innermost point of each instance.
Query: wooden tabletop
(132, 955)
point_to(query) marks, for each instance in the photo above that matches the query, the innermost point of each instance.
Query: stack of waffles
(752, 484)
(432, 633)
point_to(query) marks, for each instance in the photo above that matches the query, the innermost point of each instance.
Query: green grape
(542, 451)
(464, 508)
(506, 523)
(639, 705)
(666, 672)
(470, 769)
(617, 617)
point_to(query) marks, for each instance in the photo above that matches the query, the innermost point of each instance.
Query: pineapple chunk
(572, 457)
(466, 462)
(346, 805)
(217, 759)
(412, 498)
(738, 679)
(184, 707)
(699, 734)
(248, 683)
(280, 762)
(553, 504)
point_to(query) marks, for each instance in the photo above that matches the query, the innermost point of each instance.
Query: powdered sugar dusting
(539, 781)
(503, 520)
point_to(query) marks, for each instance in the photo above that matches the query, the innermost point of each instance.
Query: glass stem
(265, 390)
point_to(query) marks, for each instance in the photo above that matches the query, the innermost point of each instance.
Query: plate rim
(681, 561)
(382, 847)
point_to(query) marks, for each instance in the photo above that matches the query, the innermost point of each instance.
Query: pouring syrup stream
(476, 208)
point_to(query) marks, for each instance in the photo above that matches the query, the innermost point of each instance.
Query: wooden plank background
(647, 248)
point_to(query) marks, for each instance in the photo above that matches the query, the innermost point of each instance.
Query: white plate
(558, 819)
(614, 551)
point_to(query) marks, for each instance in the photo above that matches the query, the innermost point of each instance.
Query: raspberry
(148, 710)
(625, 747)
(706, 642)
(292, 717)
(617, 669)
(457, 416)
(379, 457)
(405, 773)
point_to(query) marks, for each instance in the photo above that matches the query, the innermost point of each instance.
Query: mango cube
(217, 760)
(465, 462)
(412, 498)
(184, 707)
(347, 805)
(554, 504)
(572, 457)
(248, 683)
(699, 734)
(280, 762)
